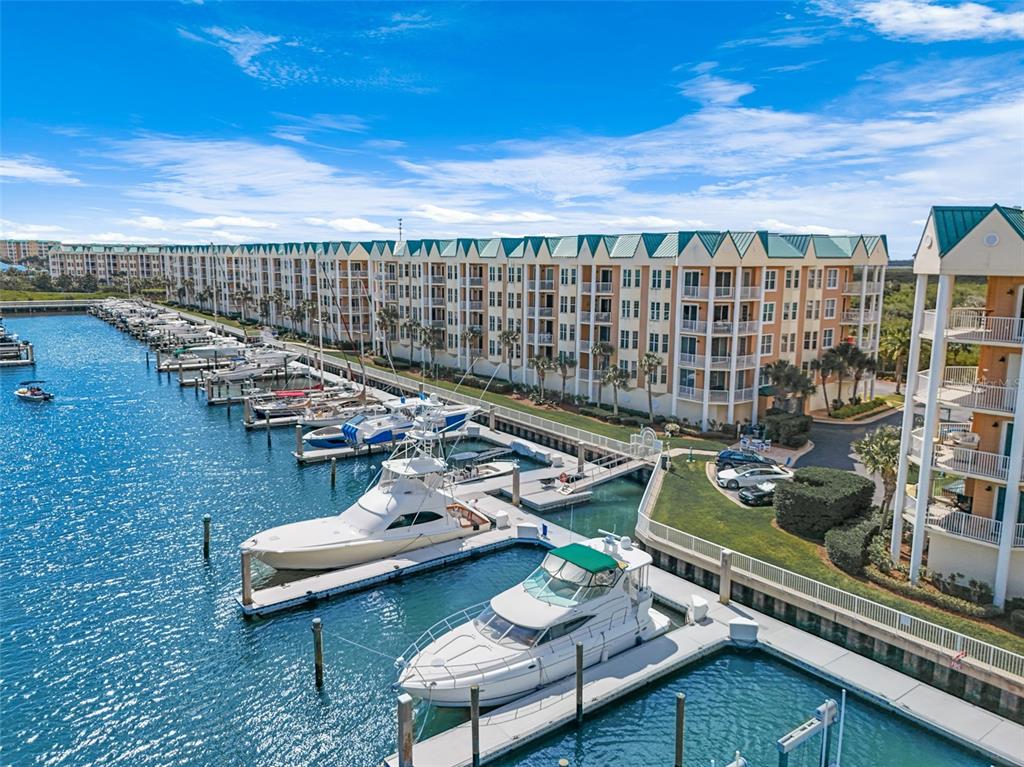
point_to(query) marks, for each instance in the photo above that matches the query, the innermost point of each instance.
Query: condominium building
(965, 506)
(106, 262)
(716, 307)
(25, 251)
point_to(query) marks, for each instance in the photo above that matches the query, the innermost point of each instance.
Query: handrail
(865, 609)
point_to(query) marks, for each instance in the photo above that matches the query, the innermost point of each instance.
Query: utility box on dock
(501, 520)
(527, 530)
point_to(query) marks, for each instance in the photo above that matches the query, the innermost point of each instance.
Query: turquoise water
(120, 645)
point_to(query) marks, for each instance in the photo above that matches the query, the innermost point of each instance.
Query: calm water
(119, 645)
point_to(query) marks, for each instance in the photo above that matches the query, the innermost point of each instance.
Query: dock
(19, 354)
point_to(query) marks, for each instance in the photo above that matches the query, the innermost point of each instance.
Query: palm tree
(566, 364)
(789, 381)
(244, 298)
(509, 340)
(415, 330)
(879, 451)
(204, 295)
(617, 378)
(471, 335)
(541, 365)
(434, 340)
(277, 301)
(190, 286)
(603, 351)
(825, 366)
(894, 345)
(648, 366)
(387, 320)
(862, 364)
(845, 353)
(263, 306)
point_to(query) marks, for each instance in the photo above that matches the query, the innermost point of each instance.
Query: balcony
(975, 326)
(545, 311)
(436, 279)
(722, 395)
(722, 292)
(539, 338)
(604, 318)
(750, 293)
(722, 327)
(598, 287)
(475, 306)
(692, 360)
(853, 317)
(693, 326)
(694, 291)
(945, 519)
(949, 456)
(476, 282)
(748, 328)
(960, 387)
(721, 362)
(853, 288)
(690, 393)
(541, 285)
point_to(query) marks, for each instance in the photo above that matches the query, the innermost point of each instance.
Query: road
(832, 442)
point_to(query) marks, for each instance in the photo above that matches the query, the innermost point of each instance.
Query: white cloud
(400, 23)
(220, 221)
(924, 21)
(248, 49)
(654, 222)
(708, 88)
(31, 169)
(384, 143)
(450, 216)
(360, 225)
(148, 222)
(13, 230)
(774, 225)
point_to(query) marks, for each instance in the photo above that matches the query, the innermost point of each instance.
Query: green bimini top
(591, 560)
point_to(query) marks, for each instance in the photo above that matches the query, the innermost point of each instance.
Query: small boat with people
(412, 505)
(467, 467)
(391, 426)
(31, 391)
(595, 592)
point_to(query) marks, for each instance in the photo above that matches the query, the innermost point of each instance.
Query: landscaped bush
(847, 545)
(928, 593)
(818, 499)
(849, 411)
(1017, 621)
(790, 429)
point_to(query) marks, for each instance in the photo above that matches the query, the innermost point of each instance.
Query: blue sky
(234, 122)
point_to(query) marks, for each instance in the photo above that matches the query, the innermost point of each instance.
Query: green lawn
(690, 503)
(220, 318)
(37, 295)
(576, 420)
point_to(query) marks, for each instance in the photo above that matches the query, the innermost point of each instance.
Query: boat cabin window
(497, 629)
(560, 582)
(564, 629)
(416, 518)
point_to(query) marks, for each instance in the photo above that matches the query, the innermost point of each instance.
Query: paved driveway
(832, 442)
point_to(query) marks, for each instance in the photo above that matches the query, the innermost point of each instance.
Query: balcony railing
(476, 282)
(598, 287)
(539, 338)
(723, 291)
(541, 285)
(975, 326)
(694, 291)
(545, 311)
(603, 317)
(722, 395)
(722, 327)
(749, 292)
(690, 393)
(436, 279)
(584, 345)
(693, 326)
(960, 387)
(961, 460)
(692, 360)
(748, 327)
(853, 317)
(723, 362)
(475, 306)
(974, 527)
(853, 288)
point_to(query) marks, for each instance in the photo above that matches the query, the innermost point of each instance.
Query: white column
(757, 350)
(593, 329)
(931, 419)
(524, 281)
(460, 308)
(579, 303)
(677, 312)
(863, 298)
(707, 348)
(1011, 502)
(734, 343)
(899, 499)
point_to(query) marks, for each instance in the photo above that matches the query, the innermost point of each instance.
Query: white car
(734, 479)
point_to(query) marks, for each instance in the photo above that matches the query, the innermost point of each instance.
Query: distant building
(964, 509)
(30, 252)
(106, 262)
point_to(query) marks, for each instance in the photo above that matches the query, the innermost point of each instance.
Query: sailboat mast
(320, 324)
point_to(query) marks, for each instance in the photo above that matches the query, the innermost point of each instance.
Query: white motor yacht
(594, 592)
(411, 506)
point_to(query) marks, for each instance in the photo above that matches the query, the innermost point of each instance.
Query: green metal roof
(711, 240)
(953, 223)
(684, 240)
(830, 247)
(591, 240)
(652, 242)
(591, 560)
(1013, 216)
(782, 246)
(799, 241)
(742, 240)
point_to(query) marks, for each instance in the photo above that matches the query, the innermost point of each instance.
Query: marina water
(120, 645)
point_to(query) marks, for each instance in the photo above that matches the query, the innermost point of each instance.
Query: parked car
(758, 495)
(728, 459)
(748, 476)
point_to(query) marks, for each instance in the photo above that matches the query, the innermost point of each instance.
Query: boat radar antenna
(399, 228)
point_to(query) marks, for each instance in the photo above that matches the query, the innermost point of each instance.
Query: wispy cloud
(708, 88)
(793, 36)
(248, 49)
(31, 169)
(218, 222)
(924, 21)
(384, 143)
(14, 230)
(786, 68)
(354, 225)
(401, 23)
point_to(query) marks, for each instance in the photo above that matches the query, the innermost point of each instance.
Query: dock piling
(680, 727)
(298, 441)
(246, 578)
(318, 652)
(581, 456)
(725, 577)
(579, 684)
(266, 425)
(206, 536)
(515, 486)
(31, 355)
(405, 730)
(334, 471)
(147, 359)
(474, 718)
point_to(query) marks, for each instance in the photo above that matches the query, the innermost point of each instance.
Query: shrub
(849, 411)
(791, 429)
(1017, 621)
(847, 545)
(818, 499)
(878, 553)
(927, 593)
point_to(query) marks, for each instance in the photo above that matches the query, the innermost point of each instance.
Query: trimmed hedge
(927, 593)
(818, 499)
(791, 429)
(849, 411)
(847, 545)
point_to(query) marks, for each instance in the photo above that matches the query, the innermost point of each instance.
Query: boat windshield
(497, 629)
(562, 583)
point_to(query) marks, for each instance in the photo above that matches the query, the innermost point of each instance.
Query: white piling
(515, 486)
(298, 441)
(680, 727)
(581, 456)
(405, 730)
(725, 577)
(334, 471)
(246, 578)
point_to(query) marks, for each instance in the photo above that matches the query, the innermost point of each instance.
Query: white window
(830, 309)
(768, 312)
(792, 278)
(664, 343)
(766, 345)
(770, 277)
(655, 311)
(832, 278)
(656, 279)
(624, 309)
(652, 342)
(623, 339)
(627, 278)
(636, 309)
(826, 339)
(636, 339)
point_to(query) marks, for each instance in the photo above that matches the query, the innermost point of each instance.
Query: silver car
(746, 476)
